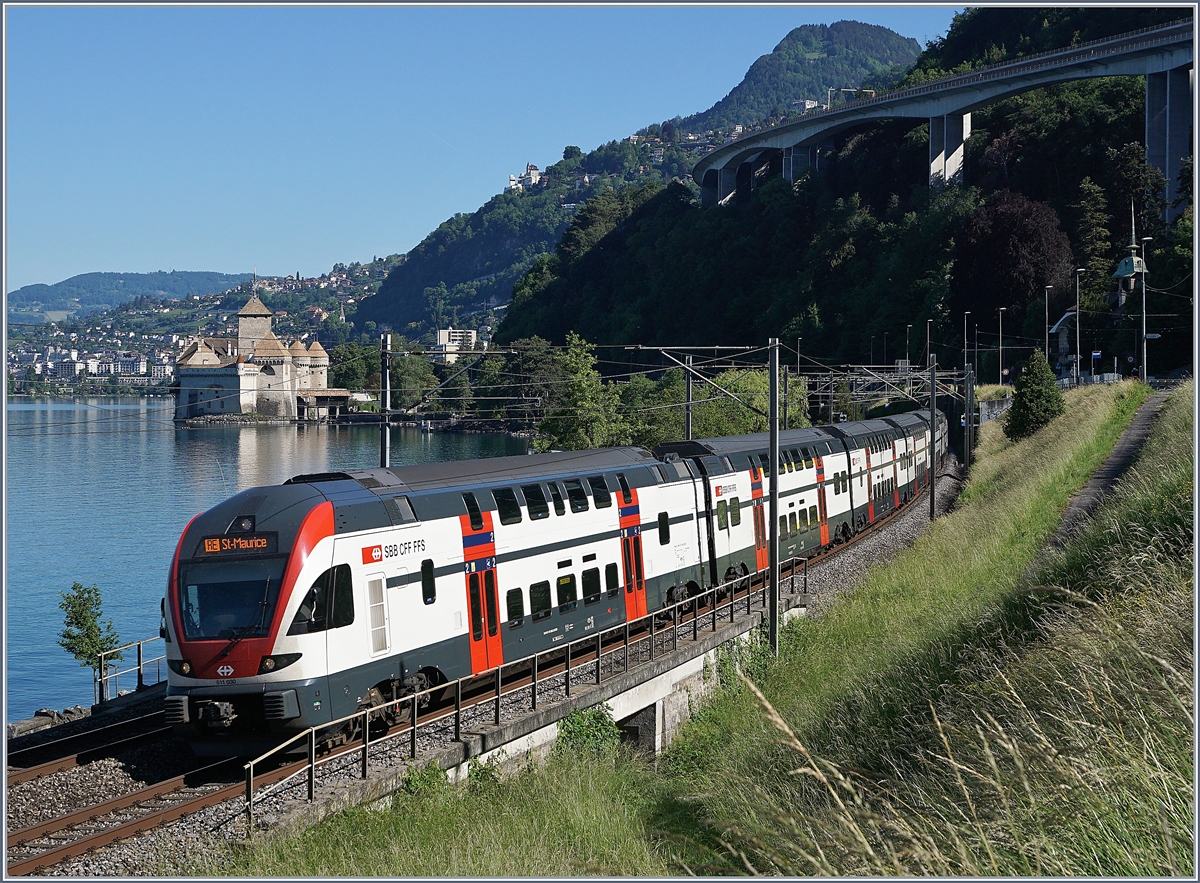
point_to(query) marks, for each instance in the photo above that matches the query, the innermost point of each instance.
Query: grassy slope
(856, 685)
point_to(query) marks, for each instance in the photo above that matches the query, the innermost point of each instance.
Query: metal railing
(108, 670)
(665, 618)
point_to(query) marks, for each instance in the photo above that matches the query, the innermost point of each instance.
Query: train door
(822, 512)
(633, 568)
(483, 608)
(895, 477)
(762, 555)
(870, 490)
(632, 564)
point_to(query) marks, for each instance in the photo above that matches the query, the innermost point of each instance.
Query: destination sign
(241, 544)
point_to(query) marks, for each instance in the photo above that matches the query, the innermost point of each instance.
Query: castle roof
(315, 349)
(297, 349)
(269, 347)
(254, 308)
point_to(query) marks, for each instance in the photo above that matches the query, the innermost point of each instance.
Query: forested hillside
(865, 249)
(472, 260)
(807, 63)
(105, 290)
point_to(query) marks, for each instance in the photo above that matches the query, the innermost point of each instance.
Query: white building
(254, 373)
(451, 341)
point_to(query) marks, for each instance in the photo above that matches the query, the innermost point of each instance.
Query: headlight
(180, 667)
(274, 663)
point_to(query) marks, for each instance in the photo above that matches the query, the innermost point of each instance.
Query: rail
(411, 703)
(108, 671)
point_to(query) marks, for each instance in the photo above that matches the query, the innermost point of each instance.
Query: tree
(587, 416)
(84, 636)
(1036, 401)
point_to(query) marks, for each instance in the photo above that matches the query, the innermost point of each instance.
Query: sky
(232, 138)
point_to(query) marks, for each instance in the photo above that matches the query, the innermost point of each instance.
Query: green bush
(1036, 401)
(588, 731)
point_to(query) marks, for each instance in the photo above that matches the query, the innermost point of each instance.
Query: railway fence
(108, 669)
(640, 637)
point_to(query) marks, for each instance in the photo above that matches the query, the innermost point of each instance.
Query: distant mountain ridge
(808, 62)
(99, 291)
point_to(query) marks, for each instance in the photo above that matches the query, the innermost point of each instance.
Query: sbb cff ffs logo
(372, 554)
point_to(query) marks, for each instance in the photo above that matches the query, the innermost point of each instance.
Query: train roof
(465, 473)
(732, 444)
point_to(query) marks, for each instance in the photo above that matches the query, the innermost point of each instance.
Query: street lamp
(872, 349)
(928, 351)
(967, 313)
(1145, 373)
(975, 354)
(1002, 309)
(1078, 321)
(1048, 287)
(885, 334)
(906, 333)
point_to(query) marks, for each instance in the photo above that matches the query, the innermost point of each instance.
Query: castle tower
(254, 323)
(276, 380)
(301, 366)
(318, 361)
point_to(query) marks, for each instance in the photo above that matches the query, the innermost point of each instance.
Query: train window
(473, 511)
(311, 615)
(556, 496)
(567, 594)
(783, 530)
(591, 585)
(722, 515)
(812, 516)
(625, 550)
(506, 503)
(664, 528)
(476, 607)
(637, 565)
(735, 512)
(576, 495)
(489, 600)
(515, 602)
(428, 586)
(808, 458)
(612, 581)
(662, 474)
(600, 493)
(793, 524)
(626, 493)
(539, 600)
(802, 519)
(765, 462)
(343, 597)
(536, 500)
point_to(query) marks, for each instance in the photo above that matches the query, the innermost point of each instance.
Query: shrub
(588, 731)
(1037, 399)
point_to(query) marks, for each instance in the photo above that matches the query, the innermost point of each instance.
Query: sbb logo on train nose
(371, 554)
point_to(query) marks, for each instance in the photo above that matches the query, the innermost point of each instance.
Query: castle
(255, 374)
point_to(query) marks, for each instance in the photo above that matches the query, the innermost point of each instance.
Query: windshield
(229, 599)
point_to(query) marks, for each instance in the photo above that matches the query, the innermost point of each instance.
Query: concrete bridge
(1162, 54)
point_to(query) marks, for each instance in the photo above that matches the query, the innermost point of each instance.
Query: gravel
(173, 849)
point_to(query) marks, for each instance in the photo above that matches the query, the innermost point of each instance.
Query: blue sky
(225, 138)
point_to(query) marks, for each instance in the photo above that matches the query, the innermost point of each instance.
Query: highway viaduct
(1162, 54)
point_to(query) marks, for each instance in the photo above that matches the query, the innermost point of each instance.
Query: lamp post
(975, 353)
(872, 349)
(965, 350)
(907, 330)
(928, 351)
(1145, 373)
(1048, 287)
(885, 334)
(1078, 322)
(1002, 345)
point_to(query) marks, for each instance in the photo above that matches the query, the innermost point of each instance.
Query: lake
(99, 490)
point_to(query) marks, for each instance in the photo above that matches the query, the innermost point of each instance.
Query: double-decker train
(295, 605)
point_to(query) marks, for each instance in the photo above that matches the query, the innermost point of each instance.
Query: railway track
(42, 845)
(30, 763)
